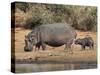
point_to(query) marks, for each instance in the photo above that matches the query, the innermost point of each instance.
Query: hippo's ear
(33, 35)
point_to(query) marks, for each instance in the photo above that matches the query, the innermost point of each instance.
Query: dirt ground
(57, 53)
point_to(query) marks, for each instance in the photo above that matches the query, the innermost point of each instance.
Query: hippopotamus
(54, 35)
(85, 42)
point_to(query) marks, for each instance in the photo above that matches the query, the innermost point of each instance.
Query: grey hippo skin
(54, 35)
(87, 41)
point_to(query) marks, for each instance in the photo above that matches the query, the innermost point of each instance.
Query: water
(41, 67)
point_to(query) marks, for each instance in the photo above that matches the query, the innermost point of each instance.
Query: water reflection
(24, 68)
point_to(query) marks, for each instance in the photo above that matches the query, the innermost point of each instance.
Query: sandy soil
(57, 53)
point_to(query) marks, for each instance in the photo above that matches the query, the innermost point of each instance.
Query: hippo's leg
(39, 47)
(68, 44)
(36, 48)
(43, 46)
(92, 47)
(68, 47)
(83, 47)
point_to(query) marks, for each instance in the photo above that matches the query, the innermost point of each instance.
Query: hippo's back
(58, 29)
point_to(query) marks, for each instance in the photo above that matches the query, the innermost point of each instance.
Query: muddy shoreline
(32, 61)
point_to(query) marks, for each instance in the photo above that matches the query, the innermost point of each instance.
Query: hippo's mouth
(27, 50)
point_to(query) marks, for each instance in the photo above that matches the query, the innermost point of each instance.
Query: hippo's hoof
(30, 58)
(50, 54)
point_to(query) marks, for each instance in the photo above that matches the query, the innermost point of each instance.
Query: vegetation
(28, 15)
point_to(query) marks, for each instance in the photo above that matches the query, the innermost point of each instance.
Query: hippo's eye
(30, 40)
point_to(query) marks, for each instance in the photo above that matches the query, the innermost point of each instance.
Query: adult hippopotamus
(54, 35)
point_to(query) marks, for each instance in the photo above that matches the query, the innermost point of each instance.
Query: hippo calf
(87, 41)
(54, 35)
